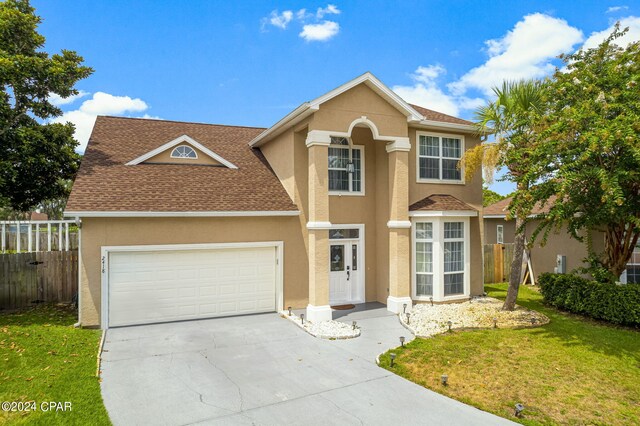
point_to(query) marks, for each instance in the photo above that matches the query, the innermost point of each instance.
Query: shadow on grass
(51, 314)
(576, 331)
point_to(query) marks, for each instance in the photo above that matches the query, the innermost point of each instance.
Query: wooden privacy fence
(497, 262)
(43, 277)
(37, 235)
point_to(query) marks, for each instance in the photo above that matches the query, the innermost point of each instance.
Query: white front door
(344, 270)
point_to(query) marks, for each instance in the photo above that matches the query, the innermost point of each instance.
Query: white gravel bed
(427, 320)
(330, 330)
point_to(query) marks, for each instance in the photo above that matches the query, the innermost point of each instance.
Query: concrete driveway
(262, 369)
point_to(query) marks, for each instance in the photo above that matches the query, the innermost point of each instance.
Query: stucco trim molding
(399, 224)
(181, 214)
(395, 304)
(318, 137)
(441, 213)
(319, 313)
(400, 144)
(177, 141)
(319, 225)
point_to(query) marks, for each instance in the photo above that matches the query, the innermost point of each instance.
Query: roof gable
(184, 139)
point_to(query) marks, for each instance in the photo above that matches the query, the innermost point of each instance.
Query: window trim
(439, 136)
(184, 158)
(500, 234)
(438, 258)
(351, 147)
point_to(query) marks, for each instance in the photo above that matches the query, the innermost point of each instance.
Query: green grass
(570, 371)
(43, 358)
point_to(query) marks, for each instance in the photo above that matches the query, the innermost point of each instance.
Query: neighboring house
(352, 197)
(499, 230)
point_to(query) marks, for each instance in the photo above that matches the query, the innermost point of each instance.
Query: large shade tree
(36, 156)
(588, 155)
(509, 118)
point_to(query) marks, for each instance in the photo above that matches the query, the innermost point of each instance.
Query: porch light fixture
(393, 357)
(431, 300)
(289, 309)
(519, 409)
(351, 168)
(404, 308)
(402, 341)
(354, 325)
(495, 323)
(302, 318)
(408, 317)
(449, 323)
(444, 379)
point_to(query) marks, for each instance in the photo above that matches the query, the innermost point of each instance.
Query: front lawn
(570, 371)
(44, 359)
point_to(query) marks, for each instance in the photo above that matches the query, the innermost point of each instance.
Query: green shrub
(616, 303)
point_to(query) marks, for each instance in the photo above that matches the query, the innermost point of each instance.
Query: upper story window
(183, 151)
(438, 157)
(346, 167)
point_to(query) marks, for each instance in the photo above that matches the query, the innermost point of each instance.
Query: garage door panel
(147, 287)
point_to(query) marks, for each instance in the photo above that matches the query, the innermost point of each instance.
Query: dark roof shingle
(440, 202)
(104, 183)
(430, 114)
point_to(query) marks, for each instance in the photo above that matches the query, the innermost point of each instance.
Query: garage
(152, 284)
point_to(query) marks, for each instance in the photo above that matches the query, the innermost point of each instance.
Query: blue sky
(250, 63)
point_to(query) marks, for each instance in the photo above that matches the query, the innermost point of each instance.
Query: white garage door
(158, 286)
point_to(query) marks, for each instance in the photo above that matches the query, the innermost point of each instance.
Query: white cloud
(614, 9)
(320, 32)
(313, 27)
(56, 100)
(426, 92)
(632, 35)
(280, 20)
(100, 104)
(526, 51)
(329, 10)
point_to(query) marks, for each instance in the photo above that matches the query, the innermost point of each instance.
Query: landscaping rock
(427, 320)
(326, 329)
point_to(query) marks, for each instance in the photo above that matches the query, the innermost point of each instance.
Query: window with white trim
(346, 163)
(183, 151)
(453, 258)
(424, 258)
(633, 267)
(500, 234)
(440, 256)
(438, 157)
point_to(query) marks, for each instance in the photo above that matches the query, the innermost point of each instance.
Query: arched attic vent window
(183, 151)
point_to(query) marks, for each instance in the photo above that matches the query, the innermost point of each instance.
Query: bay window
(441, 251)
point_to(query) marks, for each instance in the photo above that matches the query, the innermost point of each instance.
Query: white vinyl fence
(20, 236)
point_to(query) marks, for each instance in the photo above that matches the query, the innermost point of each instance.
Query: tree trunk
(516, 264)
(619, 243)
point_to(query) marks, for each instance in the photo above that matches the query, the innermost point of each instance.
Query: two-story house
(355, 196)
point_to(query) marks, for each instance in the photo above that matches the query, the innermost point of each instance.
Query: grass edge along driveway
(571, 371)
(44, 359)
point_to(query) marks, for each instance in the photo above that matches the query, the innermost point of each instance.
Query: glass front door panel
(337, 258)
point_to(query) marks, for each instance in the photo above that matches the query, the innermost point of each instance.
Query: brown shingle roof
(502, 207)
(105, 183)
(438, 116)
(440, 202)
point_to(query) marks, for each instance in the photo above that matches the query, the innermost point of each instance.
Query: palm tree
(510, 117)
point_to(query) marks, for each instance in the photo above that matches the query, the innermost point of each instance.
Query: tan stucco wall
(338, 113)
(491, 231)
(165, 157)
(279, 153)
(98, 232)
